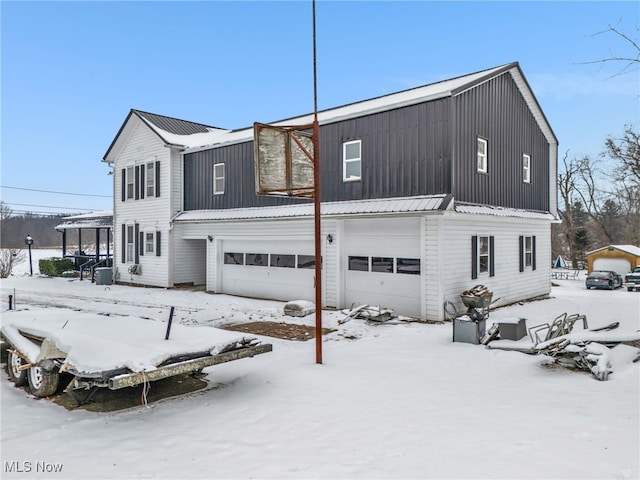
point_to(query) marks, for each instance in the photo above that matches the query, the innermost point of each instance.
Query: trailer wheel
(43, 383)
(14, 362)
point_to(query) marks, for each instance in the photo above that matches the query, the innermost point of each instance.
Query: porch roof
(102, 219)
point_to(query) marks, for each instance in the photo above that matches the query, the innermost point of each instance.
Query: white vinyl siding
(141, 147)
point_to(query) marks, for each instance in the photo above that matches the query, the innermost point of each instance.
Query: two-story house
(425, 193)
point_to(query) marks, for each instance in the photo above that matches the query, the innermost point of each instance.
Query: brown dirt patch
(286, 331)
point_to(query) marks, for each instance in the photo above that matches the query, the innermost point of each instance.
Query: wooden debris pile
(589, 350)
(371, 313)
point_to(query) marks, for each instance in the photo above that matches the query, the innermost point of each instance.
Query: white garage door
(618, 265)
(274, 269)
(382, 262)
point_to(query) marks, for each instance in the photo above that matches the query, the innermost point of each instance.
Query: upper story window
(482, 155)
(150, 180)
(352, 160)
(218, 179)
(130, 182)
(526, 168)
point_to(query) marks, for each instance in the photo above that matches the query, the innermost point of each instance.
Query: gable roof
(172, 131)
(630, 249)
(193, 137)
(446, 88)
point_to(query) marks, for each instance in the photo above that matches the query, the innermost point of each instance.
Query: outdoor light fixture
(29, 241)
(210, 238)
(330, 238)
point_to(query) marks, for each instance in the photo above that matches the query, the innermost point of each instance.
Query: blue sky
(71, 71)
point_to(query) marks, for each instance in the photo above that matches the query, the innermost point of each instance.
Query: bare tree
(9, 258)
(629, 60)
(626, 151)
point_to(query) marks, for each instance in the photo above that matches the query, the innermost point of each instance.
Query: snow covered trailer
(110, 351)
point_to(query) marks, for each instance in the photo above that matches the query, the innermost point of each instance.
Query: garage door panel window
(306, 261)
(382, 264)
(359, 264)
(283, 261)
(256, 259)
(409, 266)
(231, 258)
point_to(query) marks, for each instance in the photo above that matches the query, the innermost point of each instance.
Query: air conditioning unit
(135, 269)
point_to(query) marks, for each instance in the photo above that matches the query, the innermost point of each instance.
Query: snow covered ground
(390, 401)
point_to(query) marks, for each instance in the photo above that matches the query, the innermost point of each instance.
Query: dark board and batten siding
(405, 152)
(423, 149)
(497, 112)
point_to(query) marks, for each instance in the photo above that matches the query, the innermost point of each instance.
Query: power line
(59, 193)
(51, 206)
(42, 213)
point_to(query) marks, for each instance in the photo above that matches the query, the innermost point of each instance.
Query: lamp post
(29, 241)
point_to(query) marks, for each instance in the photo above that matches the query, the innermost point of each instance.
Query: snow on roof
(101, 219)
(98, 343)
(631, 249)
(404, 98)
(502, 211)
(192, 140)
(355, 207)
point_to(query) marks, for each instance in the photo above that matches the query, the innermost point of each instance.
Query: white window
(528, 251)
(149, 242)
(218, 179)
(130, 181)
(482, 155)
(151, 179)
(351, 160)
(526, 168)
(130, 244)
(483, 254)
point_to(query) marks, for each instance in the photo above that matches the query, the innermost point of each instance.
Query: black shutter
(474, 257)
(533, 252)
(521, 250)
(136, 183)
(142, 186)
(157, 243)
(124, 184)
(124, 243)
(136, 235)
(492, 263)
(141, 243)
(157, 178)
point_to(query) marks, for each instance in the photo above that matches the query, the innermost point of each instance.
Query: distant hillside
(14, 229)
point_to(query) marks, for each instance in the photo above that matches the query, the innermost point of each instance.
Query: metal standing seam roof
(356, 207)
(502, 212)
(103, 219)
(174, 125)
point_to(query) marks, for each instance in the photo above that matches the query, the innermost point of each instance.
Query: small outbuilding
(617, 258)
